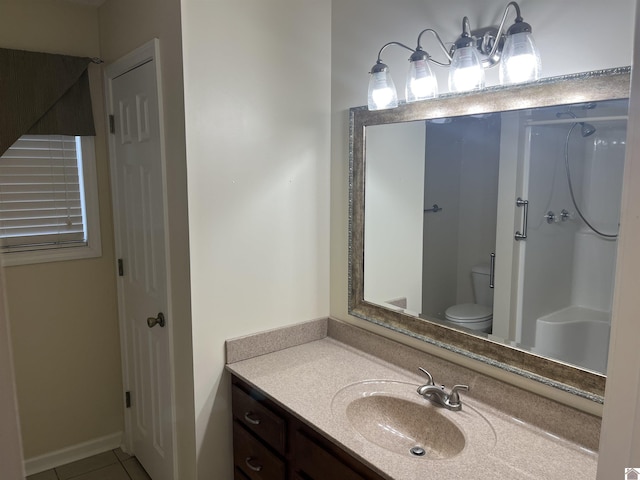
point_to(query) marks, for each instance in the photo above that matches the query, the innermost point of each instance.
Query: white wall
(10, 441)
(361, 27)
(257, 99)
(620, 435)
(393, 219)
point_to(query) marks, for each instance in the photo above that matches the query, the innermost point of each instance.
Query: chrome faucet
(438, 395)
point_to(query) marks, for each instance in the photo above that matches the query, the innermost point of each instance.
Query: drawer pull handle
(253, 421)
(255, 468)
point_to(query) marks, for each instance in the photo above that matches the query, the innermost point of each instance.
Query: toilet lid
(468, 312)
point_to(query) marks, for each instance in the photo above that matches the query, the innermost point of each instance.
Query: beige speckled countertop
(302, 368)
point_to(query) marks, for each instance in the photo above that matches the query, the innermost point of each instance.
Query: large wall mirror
(486, 223)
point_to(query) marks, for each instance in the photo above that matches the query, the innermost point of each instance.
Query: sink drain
(417, 451)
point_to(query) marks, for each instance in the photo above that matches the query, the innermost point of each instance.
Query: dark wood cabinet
(271, 444)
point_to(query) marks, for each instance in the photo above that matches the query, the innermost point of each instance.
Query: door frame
(150, 51)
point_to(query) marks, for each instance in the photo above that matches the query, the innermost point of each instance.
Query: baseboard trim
(71, 454)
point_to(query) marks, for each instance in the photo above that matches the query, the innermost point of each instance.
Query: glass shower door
(570, 170)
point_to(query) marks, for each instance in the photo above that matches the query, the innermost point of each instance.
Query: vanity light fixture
(467, 59)
(466, 71)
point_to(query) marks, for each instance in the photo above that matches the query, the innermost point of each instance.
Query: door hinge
(120, 267)
(127, 399)
(112, 124)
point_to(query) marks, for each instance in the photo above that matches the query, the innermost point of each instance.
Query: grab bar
(525, 214)
(492, 271)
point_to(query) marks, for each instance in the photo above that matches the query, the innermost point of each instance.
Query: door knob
(153, 321)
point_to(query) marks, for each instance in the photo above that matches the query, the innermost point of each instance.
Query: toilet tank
(482, 293)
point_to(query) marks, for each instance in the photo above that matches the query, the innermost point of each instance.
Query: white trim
(141, 55)
(111, 72)
(150, 51)
(71, 454)
(167, 250)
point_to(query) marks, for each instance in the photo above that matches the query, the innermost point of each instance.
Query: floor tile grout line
(55, 469)
(119, 462)
(122, 464)
(84, 473)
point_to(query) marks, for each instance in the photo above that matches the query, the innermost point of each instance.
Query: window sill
(11, 259)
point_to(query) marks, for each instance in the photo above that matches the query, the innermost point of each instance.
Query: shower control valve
(565, 215)
(551, 217)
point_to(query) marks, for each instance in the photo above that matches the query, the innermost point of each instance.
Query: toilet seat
(468, 313)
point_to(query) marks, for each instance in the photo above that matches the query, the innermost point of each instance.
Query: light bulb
(520, 60)
(421, 82)
(466, 72)
(382, 91)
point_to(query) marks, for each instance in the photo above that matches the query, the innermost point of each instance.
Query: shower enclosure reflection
(442, 213)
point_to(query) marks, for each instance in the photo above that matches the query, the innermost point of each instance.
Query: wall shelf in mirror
(557, 144)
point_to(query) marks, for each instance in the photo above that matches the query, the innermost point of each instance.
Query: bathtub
(575, 335)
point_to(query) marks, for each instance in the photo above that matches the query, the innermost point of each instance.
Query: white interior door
(140, 231)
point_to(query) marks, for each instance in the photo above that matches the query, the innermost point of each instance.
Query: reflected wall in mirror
(495, 233)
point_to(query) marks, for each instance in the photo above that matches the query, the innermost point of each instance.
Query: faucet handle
(454, 398)
(429, 376)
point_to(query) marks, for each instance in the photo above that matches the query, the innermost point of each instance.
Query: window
(48, 200)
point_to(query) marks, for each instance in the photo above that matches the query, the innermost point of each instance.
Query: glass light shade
(466, 71)
(520, 60)
(421, 82)
(382, 91)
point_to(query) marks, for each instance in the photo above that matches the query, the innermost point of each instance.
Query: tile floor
(111, 465)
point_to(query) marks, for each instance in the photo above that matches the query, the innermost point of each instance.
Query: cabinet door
(238, 474)
(316, 463)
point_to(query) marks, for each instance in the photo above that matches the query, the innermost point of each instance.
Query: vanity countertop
(305, 378)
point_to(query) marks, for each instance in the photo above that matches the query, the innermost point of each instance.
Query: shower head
(586, 130)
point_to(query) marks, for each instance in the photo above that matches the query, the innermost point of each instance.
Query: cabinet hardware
(255, 468)
(253, 421)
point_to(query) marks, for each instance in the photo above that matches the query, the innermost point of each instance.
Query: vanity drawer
(253, 459)
(259, 419)
(270, 444)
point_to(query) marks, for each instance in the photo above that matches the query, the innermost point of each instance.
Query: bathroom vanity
(325, 399)
(270, 443)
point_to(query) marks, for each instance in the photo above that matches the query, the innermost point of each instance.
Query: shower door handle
(492, 271)
(525, 218)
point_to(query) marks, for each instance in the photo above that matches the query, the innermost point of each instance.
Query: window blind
(41, 193)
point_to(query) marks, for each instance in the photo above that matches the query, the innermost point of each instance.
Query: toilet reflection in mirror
(441, 198)
(478, 315)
